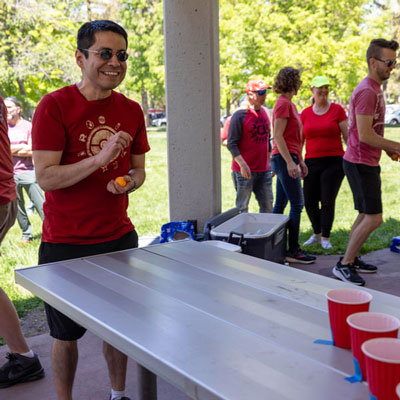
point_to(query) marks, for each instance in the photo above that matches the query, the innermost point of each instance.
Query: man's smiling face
(98, 74)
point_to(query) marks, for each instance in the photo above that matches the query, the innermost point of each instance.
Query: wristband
(133, 188)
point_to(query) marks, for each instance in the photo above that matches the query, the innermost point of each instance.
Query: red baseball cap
(256, 84)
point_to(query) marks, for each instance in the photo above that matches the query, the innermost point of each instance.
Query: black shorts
(365, 183)
(62, 327)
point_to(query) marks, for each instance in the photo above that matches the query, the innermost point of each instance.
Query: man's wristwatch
(133, 188)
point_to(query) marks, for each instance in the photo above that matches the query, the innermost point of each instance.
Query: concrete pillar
(193, 111)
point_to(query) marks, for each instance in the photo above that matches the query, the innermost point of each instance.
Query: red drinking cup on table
(369, 325)
(341, 304)
(382, 356)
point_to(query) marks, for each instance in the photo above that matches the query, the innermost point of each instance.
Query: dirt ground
(34, 323)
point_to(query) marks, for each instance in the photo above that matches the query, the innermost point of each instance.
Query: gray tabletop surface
(215, 323)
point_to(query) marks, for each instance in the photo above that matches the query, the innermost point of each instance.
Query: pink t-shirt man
(367, 99)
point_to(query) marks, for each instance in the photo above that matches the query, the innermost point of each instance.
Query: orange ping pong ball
(121, 181)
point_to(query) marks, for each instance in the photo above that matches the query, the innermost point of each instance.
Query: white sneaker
(312, 239)
(326, 244)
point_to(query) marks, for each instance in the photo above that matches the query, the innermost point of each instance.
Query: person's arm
(51, 175)
(279, 130)
(367, 135)
(234, 137)
(21, 150)
(134, 179)
(343, 130)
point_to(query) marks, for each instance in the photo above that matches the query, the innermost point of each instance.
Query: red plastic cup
(398, 390)
(341, 304)
(370, 325)
(382, 357)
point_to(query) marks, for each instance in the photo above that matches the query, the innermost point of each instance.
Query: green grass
(149, 210)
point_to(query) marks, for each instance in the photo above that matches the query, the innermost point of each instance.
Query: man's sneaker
(19, 369)
(348, 273)
(121, 398)
(299, 256)
(363, 267)
(312, 239)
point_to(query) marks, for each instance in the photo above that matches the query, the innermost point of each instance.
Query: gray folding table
(216, 324)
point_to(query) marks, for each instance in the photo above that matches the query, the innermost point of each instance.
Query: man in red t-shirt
(23, 364)
(361, 159)
(84, 136)
(248, 141)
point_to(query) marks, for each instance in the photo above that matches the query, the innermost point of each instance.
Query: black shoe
(363, 267)
(19, 369)
(299, 256)
(121, 398)
(348, 273)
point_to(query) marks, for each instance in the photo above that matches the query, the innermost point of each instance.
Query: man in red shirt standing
(248, 141)
(363, 152)
(23, 364)
(84, 136)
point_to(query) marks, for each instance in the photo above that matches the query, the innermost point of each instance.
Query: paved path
(92, 382)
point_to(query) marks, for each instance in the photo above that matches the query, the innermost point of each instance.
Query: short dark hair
(14, 100)
(288, 79)
(375, 47)
(86, 33)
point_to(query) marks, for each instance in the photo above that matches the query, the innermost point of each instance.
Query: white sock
(116, 395)
(29, 354)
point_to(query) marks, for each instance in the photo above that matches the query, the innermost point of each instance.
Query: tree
(319, 37)
(143, 20)
(37, 42)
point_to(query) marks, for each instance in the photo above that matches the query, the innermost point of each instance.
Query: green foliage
(143, 19)
(322, 37)
(37, 42)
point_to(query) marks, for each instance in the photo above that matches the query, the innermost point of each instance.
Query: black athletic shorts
(62, 327)
(365, 183)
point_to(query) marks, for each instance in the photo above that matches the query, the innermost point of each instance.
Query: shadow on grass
(379, 239)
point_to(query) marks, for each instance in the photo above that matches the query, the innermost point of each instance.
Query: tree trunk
(145, 106)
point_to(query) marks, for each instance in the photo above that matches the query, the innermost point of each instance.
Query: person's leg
(277, 165)
(10, 329)
(312, 193)
(22, 216)
(364, 225)
(294, 193)
(262, 188)
(365, 185)
(244, 187)
(23, 365)
(35, 193)
(64, 359)
(331, 180)
(117, 363)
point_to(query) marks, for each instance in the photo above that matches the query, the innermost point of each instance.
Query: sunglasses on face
(107, 54)
(388, 63)
(260, 92)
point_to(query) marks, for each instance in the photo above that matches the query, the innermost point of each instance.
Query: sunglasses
(388, 63)
(260, 92)
(107, 54)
